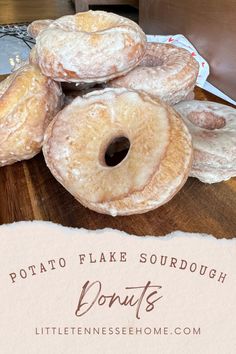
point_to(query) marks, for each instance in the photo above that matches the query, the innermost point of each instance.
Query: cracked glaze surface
(213, 128)
(92, 46)
(28, 102)
(166, 72)
(38, 26)
(155, 168)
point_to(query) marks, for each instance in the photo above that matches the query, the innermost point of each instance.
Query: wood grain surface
(28, 191)
(16, 11)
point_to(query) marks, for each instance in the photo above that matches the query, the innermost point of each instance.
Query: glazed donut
(28, 101)
(166, 72)
(154, 169)
(213, 129)
(92, 46)
(37, 26)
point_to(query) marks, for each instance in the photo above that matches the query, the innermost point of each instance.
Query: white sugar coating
(89, 47)
(225, 136)
(166, 72)
(38, 26)
(155, 168)
(107, 101)
(29, 101)
(212, 175)
(138, 202)
(213, 128)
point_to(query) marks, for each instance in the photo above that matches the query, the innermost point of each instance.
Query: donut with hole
(213, 129)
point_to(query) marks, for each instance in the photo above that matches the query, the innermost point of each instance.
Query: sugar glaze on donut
(93, 46)
(213, 128)
(166, 72)
(38, 26)
(28, 102)
(155, 168)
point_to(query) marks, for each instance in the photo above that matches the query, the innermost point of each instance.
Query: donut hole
(89, 22)
(207, 120)
(116, 151)
(151, 61)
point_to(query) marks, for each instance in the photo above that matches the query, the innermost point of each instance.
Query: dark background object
(83, 5)
(209, 24)
(125, 10)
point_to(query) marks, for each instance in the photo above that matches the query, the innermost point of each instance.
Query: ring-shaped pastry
(154, 169)
(213, 129)
(166, 72)
(93, 46)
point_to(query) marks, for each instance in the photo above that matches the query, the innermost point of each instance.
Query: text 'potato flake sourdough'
(213, 129)
(93, 46)
(154, 169)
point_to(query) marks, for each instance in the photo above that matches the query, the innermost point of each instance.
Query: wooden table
(28, 190)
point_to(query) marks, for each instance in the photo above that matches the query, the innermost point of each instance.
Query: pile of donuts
(129, 97)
